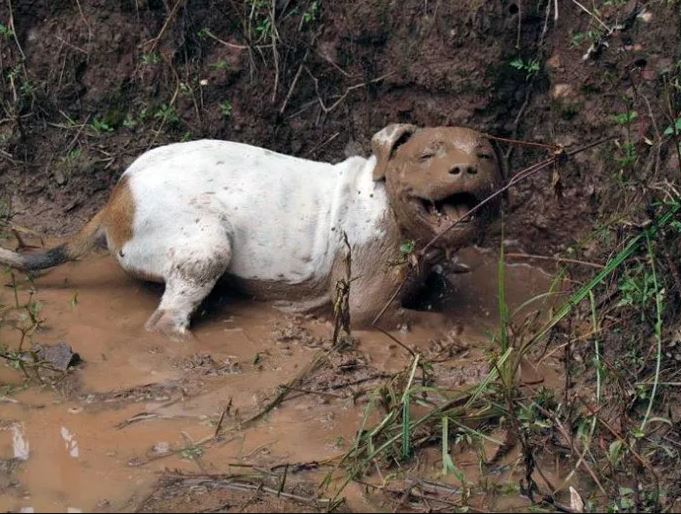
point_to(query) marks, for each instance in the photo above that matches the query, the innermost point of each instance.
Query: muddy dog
(187, 214)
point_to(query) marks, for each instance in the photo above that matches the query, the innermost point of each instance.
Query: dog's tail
(76, 247)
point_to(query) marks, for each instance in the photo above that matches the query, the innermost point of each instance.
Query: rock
(645, 16)
(553, 63)
(563, 91)
(60, 356)
(162, 448)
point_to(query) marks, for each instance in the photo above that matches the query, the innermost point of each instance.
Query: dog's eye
(426, 155)
(482, 155)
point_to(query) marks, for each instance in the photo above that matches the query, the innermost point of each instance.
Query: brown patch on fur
(84, 240)
(118, 215)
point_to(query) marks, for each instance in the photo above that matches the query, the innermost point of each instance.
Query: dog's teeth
(451, 211)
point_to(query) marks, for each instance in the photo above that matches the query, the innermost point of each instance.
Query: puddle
(139, 403)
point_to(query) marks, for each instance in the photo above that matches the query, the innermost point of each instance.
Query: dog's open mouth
(451, 208)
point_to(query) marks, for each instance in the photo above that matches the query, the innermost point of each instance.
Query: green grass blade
(658, 334)
(611, 266)
(406, 432)
(501, 288)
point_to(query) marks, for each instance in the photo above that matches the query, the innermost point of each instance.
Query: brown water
(99, 439)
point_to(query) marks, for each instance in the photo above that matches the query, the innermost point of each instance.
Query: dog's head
(434, 176)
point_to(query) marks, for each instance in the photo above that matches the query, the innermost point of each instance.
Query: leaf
(407, 247)
(517, 63)
(615, 451)
(625, 118)
(638, 433)
(669, 131)
(576, 502)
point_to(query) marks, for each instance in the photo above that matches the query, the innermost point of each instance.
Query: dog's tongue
(454, 212)
(448, 212)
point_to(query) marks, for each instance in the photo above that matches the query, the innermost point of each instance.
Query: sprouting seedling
(311, 13)
(101, 126)
(150, 59)
(226, 108)
(219, 65)
(674, 128)
(167, 114)
(625, 118)
(5, 31)
(192, 453)
(530, 67)
(407, 248)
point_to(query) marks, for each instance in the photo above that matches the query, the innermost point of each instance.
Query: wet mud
(124, 429)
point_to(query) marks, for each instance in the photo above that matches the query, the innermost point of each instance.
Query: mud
(138, 404)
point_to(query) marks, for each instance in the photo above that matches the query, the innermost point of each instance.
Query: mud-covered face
(434, 176)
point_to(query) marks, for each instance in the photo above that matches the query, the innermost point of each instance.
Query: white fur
(270, 216)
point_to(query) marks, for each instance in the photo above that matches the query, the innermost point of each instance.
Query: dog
(188, 214)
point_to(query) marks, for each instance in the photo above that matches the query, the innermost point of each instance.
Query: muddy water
(99, 439)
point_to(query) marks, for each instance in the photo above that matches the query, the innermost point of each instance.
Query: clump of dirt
(293, 330)
(205, 364)
(231, 494)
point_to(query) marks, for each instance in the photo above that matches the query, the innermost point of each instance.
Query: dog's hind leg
(191, 276)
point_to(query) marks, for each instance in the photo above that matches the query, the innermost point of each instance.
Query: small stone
(59, 177)
(162, 448)
(553, 62)
(59, 356)
(645, 16)
(562, 91)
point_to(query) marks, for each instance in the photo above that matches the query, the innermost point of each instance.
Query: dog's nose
(458, 169)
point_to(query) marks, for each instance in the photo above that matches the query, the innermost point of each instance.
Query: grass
(23, 319)
(226, 108)
(5, 31)
(409, 413)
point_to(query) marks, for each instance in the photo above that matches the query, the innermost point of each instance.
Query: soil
(440, 63)
(87, 86)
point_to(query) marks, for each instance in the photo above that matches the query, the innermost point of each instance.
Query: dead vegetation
(280, 75)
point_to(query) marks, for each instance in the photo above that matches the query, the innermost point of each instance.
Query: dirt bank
(102, 83)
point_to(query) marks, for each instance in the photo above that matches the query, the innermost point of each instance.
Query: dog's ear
(385, 142)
